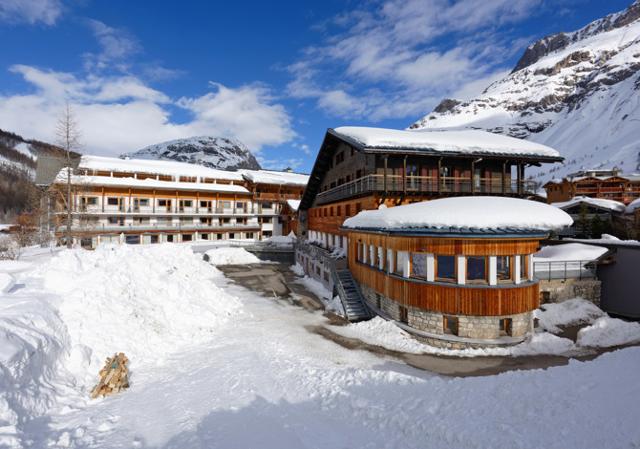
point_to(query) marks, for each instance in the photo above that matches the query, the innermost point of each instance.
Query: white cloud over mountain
(120, 113)
(389, 61)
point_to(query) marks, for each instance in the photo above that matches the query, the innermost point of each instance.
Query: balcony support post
(438, 175)
(386, 166)
(504, 176)
(473, 169)
(404, 176)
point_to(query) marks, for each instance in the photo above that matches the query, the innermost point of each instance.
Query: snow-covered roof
(443, 141)
(633, 206)
(293, 204)
(467, 213)
(149, 183)
(156, 167)
(569, 252)
(601, 203)
(275, 177)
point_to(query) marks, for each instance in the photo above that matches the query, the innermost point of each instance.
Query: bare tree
(68, 136)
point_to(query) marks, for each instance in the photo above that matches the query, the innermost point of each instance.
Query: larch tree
(68, 138)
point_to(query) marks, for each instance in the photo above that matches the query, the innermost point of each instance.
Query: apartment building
(607, 184)
(147, 201)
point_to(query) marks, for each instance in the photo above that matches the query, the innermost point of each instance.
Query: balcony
(160, 227)
(423, 184)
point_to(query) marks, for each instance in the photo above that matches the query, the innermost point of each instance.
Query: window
(143, 202)
(523, 267)
(154, 239)
(249, 235)
(90, 200)
(170, 238)
(339, 213)
(267, 205)
(404, 314)
(397, 265)
(504, 268)
(164, 203)
(118, 221)
(347, 210)
(372, 255)
(205, 204)
(187, 237)
(113, 201)
(132, 240)
(232, 235)
(419, 265)
(339, 157)
(506, 326)
(360, 252)
(476, 268)
(204, 236)
(390, 260)
(186, 203)
(450, 325)
(446, 268)
(240, 205)
(218, 236)
(381, 258)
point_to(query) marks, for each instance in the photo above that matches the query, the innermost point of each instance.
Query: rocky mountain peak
(214, 152)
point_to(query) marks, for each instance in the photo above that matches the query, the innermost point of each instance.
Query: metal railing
(424, 184)
(563, 270)
(159, 227)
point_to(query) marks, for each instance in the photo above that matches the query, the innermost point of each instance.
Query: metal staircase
(349, 293)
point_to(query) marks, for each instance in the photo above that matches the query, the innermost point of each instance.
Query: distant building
(146, 201)
(605, 184)
(592, 217)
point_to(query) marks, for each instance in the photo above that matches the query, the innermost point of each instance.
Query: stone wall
(469, 327)
(557, 290)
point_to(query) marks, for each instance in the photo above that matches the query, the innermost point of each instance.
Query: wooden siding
(452, 299)
(448, 298)
(447, 246)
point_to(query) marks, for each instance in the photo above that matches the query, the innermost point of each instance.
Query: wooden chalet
(604, 184)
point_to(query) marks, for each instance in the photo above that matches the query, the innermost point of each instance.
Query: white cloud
(30, 11)
(399, 57)
(118, 114)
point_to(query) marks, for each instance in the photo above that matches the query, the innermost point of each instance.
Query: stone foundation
(469, 327)
(557, 290)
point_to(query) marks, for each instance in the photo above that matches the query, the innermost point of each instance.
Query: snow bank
(6, 281)
(146, 301)
(456, 141)
(331, 304)
(282, 239)
(230, 256)
(383, 333)
(567, 313)
(606, 332)
(601, 203)
(465, 212)
(569, 252)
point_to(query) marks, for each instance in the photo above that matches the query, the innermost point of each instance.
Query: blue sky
(273, 74)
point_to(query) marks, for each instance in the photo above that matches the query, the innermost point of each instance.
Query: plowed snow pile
(143, 301)
(82, 306)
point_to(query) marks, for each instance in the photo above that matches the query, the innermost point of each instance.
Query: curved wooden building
(456, 272)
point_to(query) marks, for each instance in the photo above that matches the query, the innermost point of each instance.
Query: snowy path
(262, 380)
(268, 382)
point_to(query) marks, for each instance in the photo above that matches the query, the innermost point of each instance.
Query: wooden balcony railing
(394, 184)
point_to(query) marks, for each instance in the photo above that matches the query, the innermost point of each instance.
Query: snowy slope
(576, 92)
(214, 152)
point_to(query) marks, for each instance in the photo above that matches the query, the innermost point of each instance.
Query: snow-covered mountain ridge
(576, 92)
(213, 152)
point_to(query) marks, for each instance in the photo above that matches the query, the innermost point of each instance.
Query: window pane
(523, 267)
(504, 267)
(476, 269)
(446, 267)
(397, 266)
(419, 265)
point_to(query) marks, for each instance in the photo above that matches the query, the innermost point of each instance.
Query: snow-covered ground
(215, 366)
(230, 256)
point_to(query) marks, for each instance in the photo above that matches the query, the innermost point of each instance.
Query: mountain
(214, 152)
(17, 169)
(578, 92)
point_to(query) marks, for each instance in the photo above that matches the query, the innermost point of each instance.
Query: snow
(282, 240)
(457, 141)
(295, 204)
(331, 303)
(24, 148)
(149, 183)
(171, 168)
(6, 282)
(606, 239)
(465, 212)
(567, 313)
(614, 206)
(606, 332)
(217, 366)
(597, 130)
(5, 226)
(569, 252)
(219, 152)
(633, 206)
(230, 256)
(275, 177)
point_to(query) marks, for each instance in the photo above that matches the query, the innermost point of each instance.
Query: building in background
(145, 201)
(593, 217)
(605, 184)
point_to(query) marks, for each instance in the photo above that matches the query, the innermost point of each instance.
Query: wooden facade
(449, 298)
